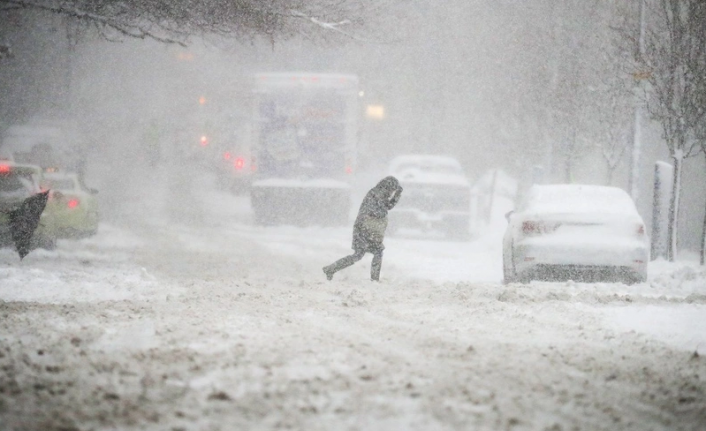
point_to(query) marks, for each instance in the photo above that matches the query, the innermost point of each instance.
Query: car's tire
(509, 275)
(636, 279)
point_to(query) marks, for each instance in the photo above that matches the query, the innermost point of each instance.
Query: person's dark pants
(347, 261)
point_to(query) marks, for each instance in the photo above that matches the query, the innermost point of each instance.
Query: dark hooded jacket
(370, 225)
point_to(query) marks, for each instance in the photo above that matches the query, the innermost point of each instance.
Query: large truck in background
(303, 148)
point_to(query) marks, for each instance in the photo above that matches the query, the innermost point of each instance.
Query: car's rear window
(59, 184)
(15, 183)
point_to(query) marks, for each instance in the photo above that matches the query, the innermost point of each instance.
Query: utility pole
(633, 181)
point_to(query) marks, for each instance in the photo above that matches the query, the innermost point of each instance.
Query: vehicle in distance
(17, 183)
(575, 232)
(436, 195)
(233, 169)
(303, 147)
(73, 207)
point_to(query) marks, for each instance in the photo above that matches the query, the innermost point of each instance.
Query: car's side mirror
(508, 215)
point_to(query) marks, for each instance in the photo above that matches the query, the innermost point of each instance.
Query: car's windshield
(15, 184)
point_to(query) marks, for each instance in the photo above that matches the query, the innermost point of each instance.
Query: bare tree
(697, 65)
(614, 141)
(615, 98)
(671, 65)
(175, 21)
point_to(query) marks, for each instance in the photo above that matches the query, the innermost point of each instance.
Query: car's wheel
(507, 279)
(509, 269)
(635, 279)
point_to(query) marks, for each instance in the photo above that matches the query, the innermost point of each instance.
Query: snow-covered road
(213, 324)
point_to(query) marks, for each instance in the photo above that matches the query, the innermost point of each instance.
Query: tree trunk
(674, 209)
(703, 241)
(703, 237)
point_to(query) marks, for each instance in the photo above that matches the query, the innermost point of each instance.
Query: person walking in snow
(369, 227)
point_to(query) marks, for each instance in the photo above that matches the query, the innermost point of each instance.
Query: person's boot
(375, 267)
(329, 272)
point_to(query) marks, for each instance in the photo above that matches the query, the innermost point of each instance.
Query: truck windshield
(302, 133)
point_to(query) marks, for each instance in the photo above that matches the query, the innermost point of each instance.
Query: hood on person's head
(388, 184)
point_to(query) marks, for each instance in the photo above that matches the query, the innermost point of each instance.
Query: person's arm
(373, 206)
(394, 199)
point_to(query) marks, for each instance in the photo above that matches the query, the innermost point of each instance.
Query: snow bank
(90, 270)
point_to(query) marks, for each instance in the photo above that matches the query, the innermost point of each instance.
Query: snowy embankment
(198, 320)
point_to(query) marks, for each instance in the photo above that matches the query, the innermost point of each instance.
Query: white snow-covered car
(575, 232)
(436, 195)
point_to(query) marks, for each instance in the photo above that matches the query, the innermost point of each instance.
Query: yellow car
(72, 206)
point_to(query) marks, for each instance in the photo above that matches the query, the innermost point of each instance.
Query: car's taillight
(72, 203)
(227, 155)
(4, 169)
(538, 227)
(239, 163)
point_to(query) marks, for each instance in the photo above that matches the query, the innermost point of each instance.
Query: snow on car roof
(422, 168)
(423, 159)
(573, 198)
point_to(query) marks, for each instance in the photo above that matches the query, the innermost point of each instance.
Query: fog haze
(499, 84)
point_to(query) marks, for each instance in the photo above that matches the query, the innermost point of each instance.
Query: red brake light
(72, 203)
(227, 155)
(538, 227)
(204, 141)
(530, 227)
(239, 163)
(4, 169)
(349, 170)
